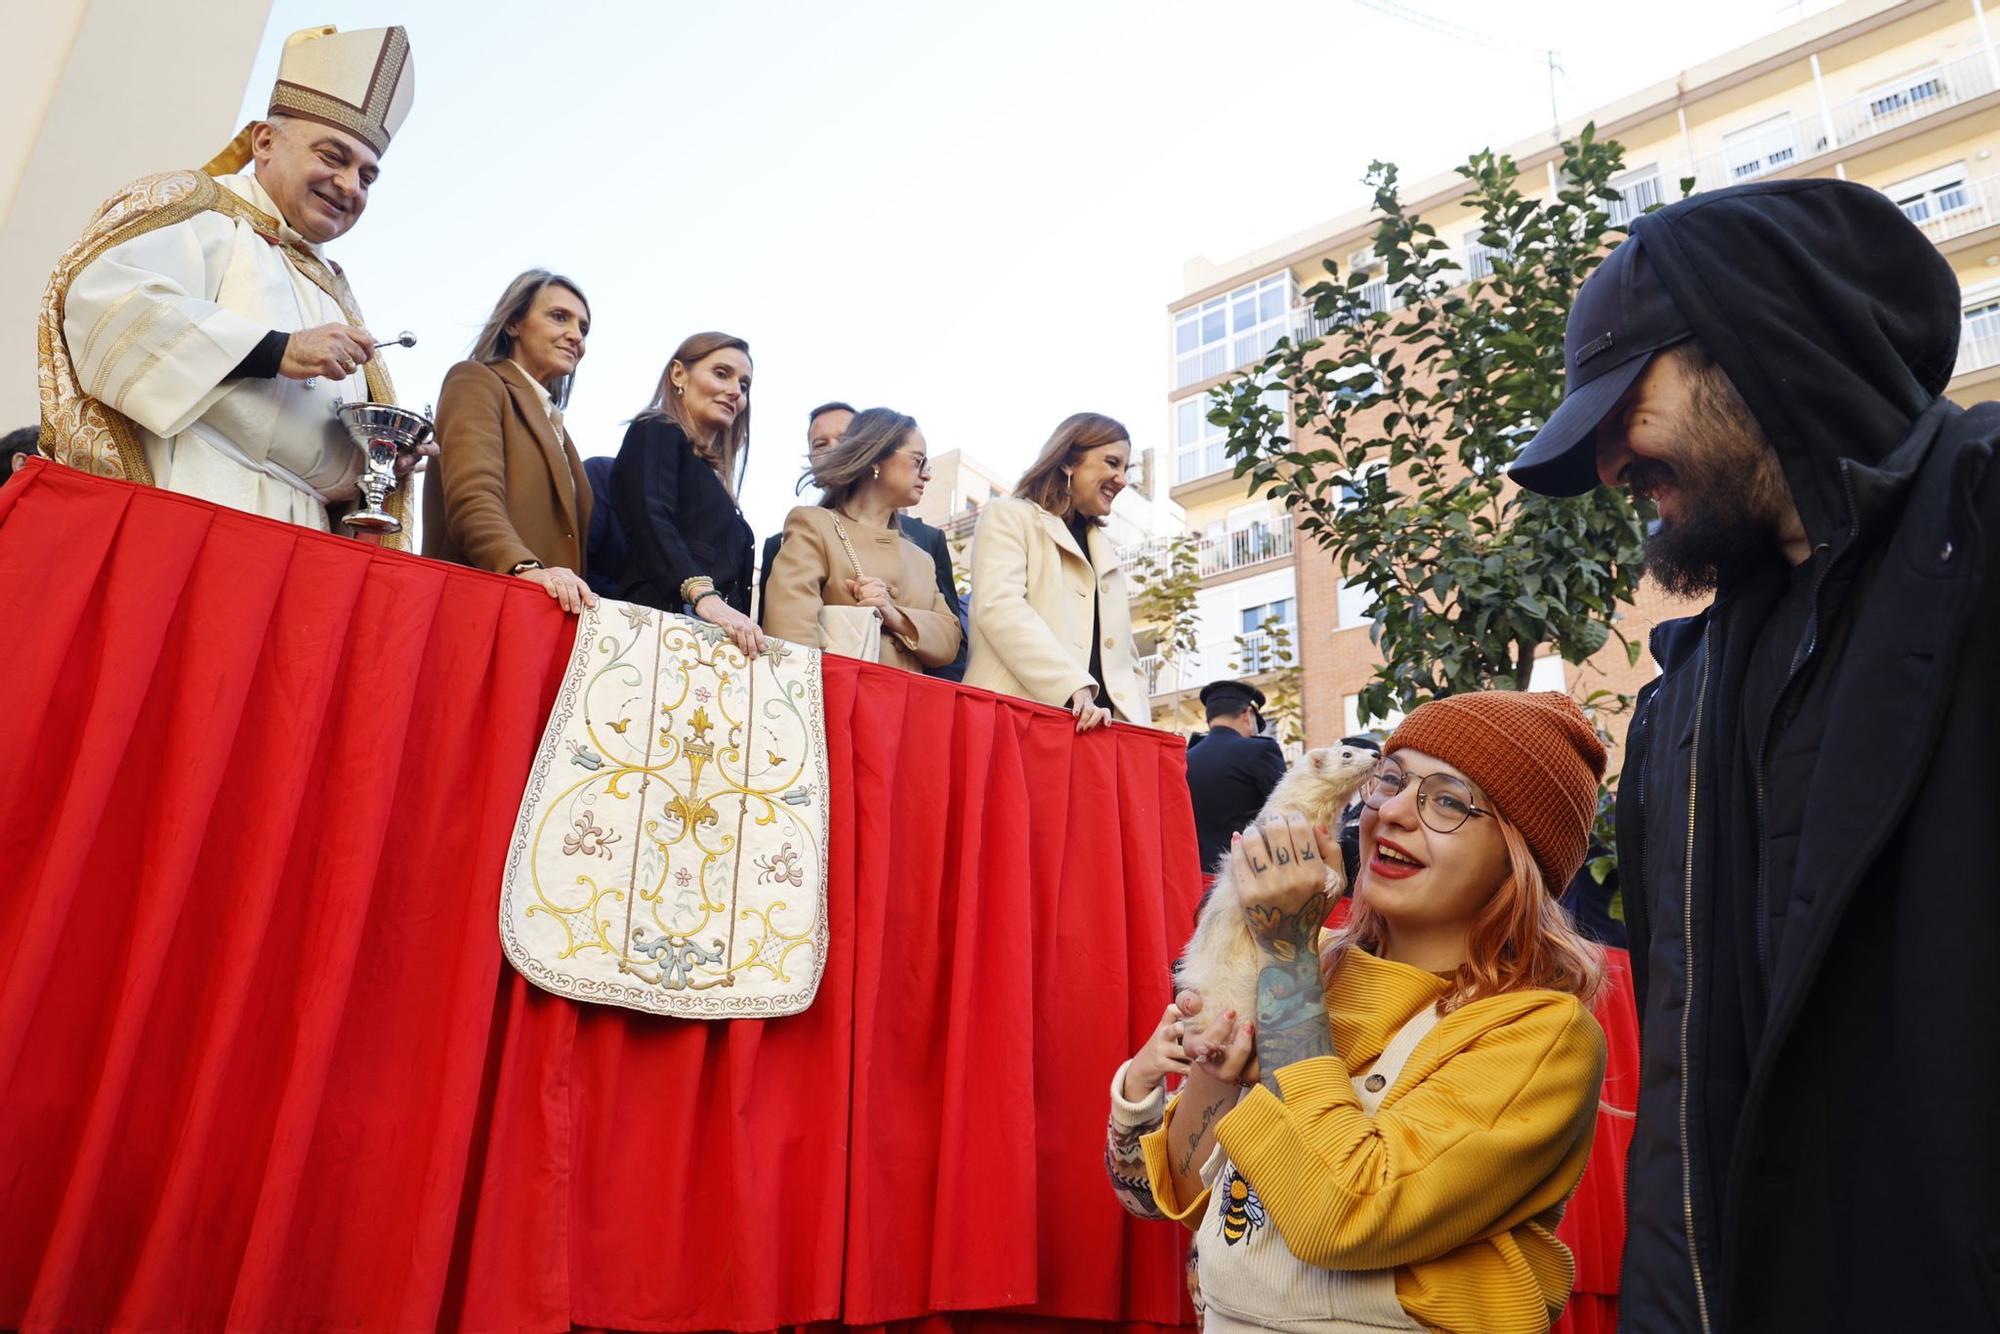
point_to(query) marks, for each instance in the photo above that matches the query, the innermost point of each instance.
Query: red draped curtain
(262, 1066)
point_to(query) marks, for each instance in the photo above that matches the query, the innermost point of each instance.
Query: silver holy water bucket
(382, 431)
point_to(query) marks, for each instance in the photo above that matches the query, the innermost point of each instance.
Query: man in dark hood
(1807, 822)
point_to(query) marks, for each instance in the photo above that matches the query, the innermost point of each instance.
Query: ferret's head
(1323, 781)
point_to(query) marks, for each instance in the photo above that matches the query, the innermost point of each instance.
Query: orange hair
(1522, 940)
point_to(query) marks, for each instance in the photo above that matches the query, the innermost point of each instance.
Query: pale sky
(974, 214)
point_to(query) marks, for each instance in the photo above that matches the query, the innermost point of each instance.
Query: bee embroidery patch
(1242, 1212)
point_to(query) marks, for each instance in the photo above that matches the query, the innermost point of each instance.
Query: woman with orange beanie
(1389, 1141)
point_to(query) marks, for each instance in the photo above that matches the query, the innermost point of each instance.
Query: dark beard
(1732, 497)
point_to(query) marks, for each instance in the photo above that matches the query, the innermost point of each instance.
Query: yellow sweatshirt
(1458, 1180)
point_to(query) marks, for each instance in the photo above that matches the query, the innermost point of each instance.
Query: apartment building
(1903, 97)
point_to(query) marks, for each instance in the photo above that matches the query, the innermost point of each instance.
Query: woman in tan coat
(878, 468)
(1051, 617)
(508, 492)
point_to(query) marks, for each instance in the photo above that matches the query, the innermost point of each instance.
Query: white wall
(92, 94)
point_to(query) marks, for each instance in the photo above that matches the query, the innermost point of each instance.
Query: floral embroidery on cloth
(670, 854)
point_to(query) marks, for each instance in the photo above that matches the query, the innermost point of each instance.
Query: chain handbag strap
(848, 547)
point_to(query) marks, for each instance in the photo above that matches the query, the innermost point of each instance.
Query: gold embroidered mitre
(360, 82)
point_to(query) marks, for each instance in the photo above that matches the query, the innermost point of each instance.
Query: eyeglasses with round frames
(1444, 801)
(922, 461)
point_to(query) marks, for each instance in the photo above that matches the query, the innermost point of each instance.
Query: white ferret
(1220, 960)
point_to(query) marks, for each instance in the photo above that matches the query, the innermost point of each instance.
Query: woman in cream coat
(1051, 619)
(879, 467)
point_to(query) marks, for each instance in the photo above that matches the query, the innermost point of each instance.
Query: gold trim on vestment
(235, 156)
(83, 431)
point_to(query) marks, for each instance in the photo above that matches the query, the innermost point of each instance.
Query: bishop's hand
(334, 351)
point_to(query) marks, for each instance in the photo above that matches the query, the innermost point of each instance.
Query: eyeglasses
(923, 462)
(1444, 801)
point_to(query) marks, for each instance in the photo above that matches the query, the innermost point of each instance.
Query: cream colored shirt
(156, 324)
(542, 395)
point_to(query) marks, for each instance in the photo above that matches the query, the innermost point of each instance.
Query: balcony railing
(1375, 295)
(1978, 345)
(1808, 133)
(1216, 659)
(1259, 651)
(1232, 353)
(1246, 546)
(1958, 211)
(1232, 551)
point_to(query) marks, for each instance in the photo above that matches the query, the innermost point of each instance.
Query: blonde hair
(1522, 939)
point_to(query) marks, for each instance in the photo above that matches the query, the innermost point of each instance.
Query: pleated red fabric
(262, 1066)
(1593, 1226)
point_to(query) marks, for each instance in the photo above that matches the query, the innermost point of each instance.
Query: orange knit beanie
(1535, 757)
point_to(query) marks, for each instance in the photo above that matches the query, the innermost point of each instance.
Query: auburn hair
(1522, 940)
(1045, 482)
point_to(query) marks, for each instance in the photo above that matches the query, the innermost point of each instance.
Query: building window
(1932, 195)
(1225, 333)
(1199, 444)
(1354, 496)
(1548, 674)
(1910, 96)
(1260, 648)
(1352, 605)
(1640, 190)
(1979, 341)
(1756, 149)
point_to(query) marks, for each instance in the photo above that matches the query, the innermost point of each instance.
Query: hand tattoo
(1282, 856)
(1256, 865)
(1294, 930)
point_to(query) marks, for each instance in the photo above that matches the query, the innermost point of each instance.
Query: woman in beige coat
(1051, 618)
(878, 468)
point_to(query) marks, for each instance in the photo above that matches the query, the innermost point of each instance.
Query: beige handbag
(852, 632)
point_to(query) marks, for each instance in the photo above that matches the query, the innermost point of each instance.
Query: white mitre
(360, 82)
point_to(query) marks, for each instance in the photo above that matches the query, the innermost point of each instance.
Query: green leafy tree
(1401, 424)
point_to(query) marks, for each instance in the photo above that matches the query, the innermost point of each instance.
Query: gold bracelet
(695, 589)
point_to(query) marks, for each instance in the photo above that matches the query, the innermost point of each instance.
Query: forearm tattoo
(1208, 1115)
(1291, 1015)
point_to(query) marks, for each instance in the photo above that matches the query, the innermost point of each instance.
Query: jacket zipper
(1633, 885)
(1687, 1010)
(1799, 661)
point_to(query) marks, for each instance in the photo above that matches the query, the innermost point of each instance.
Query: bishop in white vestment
(196, 337)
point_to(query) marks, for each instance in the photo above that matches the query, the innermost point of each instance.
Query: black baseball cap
(1622, 316)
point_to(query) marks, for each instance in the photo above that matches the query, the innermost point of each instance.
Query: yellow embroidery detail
(684, 907)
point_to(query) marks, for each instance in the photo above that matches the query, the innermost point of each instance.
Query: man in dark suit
(1232, 770)
(825, 425)
(604, 561)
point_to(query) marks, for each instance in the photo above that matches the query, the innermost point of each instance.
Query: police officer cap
(1231, 696)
